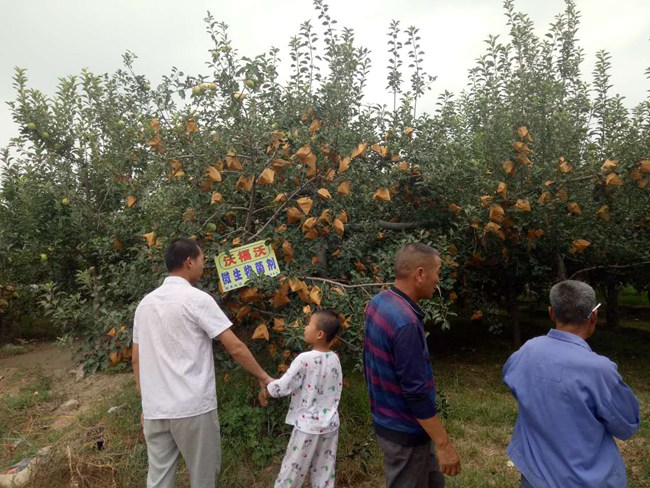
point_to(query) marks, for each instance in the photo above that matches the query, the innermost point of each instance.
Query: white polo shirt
(174, 326)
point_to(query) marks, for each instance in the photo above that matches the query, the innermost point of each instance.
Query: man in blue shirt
(572, 402)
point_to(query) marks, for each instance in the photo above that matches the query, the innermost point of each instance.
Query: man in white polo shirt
(174, 370)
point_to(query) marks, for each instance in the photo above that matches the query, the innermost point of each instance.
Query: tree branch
(385, 224)
(348, 343)
(277, 212)
(251, 206)
(266, 312)
(205, 155)
(343, 285)
(581, 178)
(253, 200)
(614, 266)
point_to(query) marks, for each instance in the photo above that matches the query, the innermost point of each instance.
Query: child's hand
(265, 382)
(263, 396)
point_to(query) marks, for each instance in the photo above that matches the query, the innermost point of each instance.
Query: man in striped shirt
(400, 377)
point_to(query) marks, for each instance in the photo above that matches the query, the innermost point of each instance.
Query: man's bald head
(411, 257)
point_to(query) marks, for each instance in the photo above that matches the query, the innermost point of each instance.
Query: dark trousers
(410, 467)
(525, 483)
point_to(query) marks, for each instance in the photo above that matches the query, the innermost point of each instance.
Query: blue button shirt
(572, 403)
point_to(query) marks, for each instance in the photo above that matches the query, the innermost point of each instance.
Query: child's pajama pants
(313, 454)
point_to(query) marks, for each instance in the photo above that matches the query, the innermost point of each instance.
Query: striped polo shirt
(397, 368)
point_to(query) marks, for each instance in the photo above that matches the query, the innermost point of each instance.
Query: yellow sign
(241, 264)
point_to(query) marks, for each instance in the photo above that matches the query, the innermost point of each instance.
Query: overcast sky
(55, 38)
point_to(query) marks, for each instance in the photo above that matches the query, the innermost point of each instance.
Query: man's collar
(568, 337)
(416, 308)
(177, 279)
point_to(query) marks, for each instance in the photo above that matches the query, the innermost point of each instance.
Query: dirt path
(46, 355)
(28, 428)
(57, 363)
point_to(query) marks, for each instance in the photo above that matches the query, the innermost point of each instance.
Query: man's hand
(240, 353)
(263, 396)
(447, 457)
(448, 460)
(264, 392)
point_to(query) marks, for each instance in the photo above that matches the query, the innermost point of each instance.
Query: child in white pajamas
(314, 380)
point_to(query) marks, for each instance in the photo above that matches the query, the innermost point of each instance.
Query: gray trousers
(525, 483)
(410, 467)
(197, 439)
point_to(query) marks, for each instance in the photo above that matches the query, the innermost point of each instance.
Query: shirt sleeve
(507, 374)
(210, 317)
(135, 333)
(290, 381)
(338, 385)
(619, 407)
(411, 372)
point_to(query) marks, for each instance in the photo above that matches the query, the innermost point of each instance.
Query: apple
(31, 126)
(43, 257)
(45, 135)
(65, 201)
(212, 86)
(250, 83)
(196, 91)
(121, 124)
(239, 96)
(211, 227)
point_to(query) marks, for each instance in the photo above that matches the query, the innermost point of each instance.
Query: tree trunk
(516, 330)
(322, 265)
(612, 312)
(513, 311)
(560, 268)
(462, 300)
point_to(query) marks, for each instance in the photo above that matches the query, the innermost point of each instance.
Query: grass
(13, 349)
(467, 362)
(74, 458)
(22, 417)
(629, 297)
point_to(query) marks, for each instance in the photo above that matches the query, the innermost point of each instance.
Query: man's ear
(593, 318)
(551, 314)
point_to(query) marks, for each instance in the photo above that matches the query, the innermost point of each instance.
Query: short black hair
(411, 257)
(328, 322)
(178, 252)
